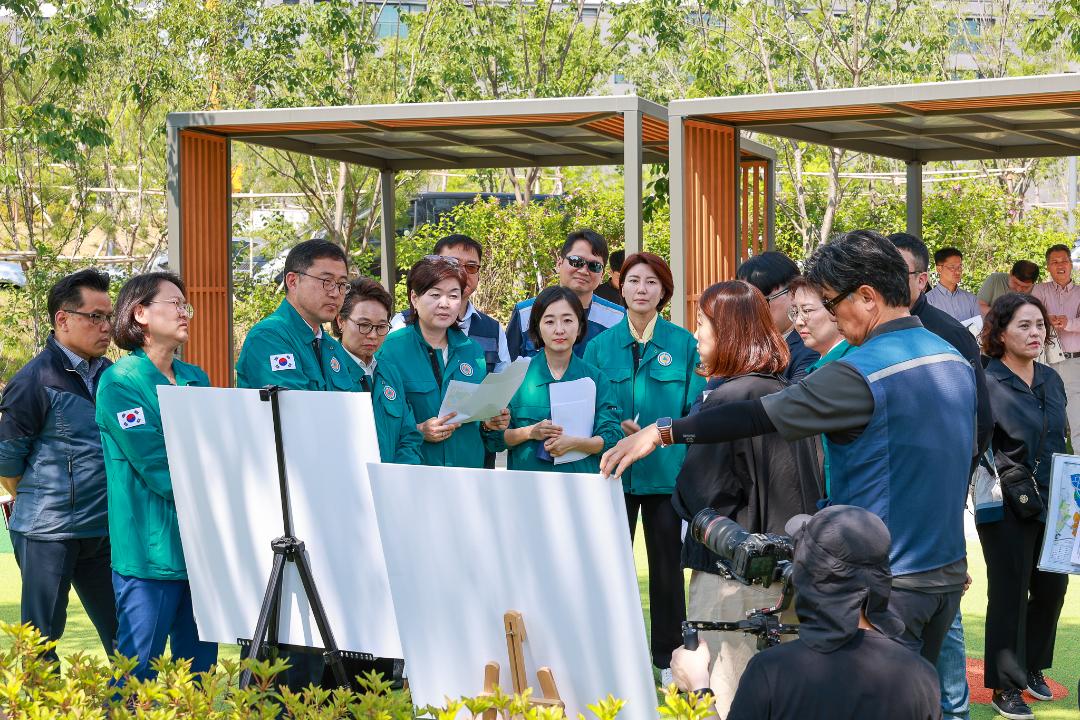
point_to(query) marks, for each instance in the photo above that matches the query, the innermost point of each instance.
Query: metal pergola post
(632, 181)
(914, 189)
(388, 251)
(677, 251)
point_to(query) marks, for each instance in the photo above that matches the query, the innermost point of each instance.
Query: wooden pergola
(963, 120)
(624, 130)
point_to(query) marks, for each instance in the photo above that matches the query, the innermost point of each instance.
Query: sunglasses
(831, 303)
(470, 267)
(577, 262)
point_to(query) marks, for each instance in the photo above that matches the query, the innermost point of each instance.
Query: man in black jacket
(951, 663)
(51, 460)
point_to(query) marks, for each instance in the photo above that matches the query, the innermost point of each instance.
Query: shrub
(31, 687)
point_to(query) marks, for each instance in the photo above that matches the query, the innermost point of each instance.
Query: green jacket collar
(661, 340)
(184, 372)
(455, 338)
(295, 322)
(574, 371)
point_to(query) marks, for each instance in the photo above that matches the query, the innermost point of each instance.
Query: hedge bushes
(32, 689)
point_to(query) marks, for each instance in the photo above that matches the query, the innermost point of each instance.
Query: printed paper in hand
(487, 399)
(1059, 553)
(573, 407)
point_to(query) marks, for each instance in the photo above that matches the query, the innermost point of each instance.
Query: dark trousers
(50, 568)
(153, 611)
(1022, 602)
(663, 545)
(927, 618)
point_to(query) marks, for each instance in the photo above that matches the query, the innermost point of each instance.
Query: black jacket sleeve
(723, 423)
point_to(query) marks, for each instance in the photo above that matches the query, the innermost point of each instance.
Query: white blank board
(464, 546)
(223, 463)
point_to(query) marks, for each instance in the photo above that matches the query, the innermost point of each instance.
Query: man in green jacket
(289, 348)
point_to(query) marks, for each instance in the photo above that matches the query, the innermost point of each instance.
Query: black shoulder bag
(1018, 483)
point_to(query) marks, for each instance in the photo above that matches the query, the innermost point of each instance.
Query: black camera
(748, 557)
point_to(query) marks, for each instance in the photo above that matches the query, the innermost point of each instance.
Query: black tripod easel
(289, 548)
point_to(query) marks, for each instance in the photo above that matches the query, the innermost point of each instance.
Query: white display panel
(225, 480)
(464, 546)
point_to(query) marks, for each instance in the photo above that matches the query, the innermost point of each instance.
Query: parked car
(12, 275)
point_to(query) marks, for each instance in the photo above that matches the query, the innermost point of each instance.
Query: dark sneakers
(1037, 686)
(1009, 704)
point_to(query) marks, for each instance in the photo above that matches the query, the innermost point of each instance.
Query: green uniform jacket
(143, 532)
(842, 348)
(278, 351)
(407, 352)
(532, 403)
(399, 440)
(665, 385)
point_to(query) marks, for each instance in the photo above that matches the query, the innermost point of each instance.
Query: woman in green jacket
(652, 366)
(362, 326)
(556, 323)
(153, 598)
(431, 351)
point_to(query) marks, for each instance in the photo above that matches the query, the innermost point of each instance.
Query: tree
(495, 49)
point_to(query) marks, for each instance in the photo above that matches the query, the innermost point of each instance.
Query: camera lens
(718, 533)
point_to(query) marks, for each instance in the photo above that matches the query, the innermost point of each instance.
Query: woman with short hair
(362, 325)
(557, 322)
(1023, 603)
(153, 597)
(818, 331)
(760, 483)
(430, 351)
(652, 366)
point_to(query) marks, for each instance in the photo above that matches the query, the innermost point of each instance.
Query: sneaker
(1009, 704)
(666, 678)
(1037, 686)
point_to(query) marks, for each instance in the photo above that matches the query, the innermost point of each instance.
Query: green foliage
(32, 687)
(521, 242)
(982, 219)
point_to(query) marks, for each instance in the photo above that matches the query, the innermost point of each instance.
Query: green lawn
(80, 633)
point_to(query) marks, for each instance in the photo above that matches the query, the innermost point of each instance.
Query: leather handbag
(1018, 483)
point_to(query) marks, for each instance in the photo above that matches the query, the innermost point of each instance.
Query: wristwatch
(663, 428)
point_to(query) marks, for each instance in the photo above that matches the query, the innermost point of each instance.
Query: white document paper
(573, 408)
(480, 401)
(463, 546)
(225, 481)
(1062, 515)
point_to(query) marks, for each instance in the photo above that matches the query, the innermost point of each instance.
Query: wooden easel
(514, 626)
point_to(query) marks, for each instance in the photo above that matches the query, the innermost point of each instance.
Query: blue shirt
(87, 369)
(959, 303)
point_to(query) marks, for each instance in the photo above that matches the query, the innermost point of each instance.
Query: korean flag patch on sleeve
(282, 362)
(131, 418)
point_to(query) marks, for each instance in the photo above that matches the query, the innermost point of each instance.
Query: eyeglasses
(182, 308)
(953, 268)
(778, 293)
(365, 328)
(795, 312)
(102, 320)
(329, 285)
(578, 262)
(831, 303)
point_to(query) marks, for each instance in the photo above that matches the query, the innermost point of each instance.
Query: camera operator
(902, 395)
(760, 483)
(847, 662)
